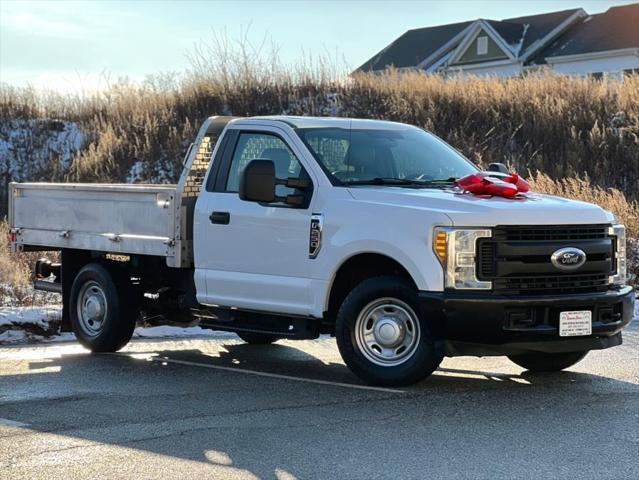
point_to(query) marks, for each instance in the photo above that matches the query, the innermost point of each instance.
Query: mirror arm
(295, 200)
(298, 183)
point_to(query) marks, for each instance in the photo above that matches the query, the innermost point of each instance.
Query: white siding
(583, 67)
(509, 70)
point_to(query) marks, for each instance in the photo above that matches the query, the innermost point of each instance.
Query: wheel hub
(387, 332)
(93, 308)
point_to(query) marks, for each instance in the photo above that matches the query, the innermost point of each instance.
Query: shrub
(16, 277)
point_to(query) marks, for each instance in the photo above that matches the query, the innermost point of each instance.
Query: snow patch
(41, 317)
(324, 105)
(42, 324)
(32, 148)
(135, 172)
(13, 336)
(163, 170)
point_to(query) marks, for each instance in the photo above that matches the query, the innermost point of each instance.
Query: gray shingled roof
(540, 25)
(510, 32)
(413, 47)
(614, 29)
(416, 45)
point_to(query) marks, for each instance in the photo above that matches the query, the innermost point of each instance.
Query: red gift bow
(486, 183)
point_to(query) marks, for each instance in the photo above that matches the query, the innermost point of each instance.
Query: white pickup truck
(292, 227)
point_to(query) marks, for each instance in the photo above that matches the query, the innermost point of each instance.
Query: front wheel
(547, 362)
(382, 337)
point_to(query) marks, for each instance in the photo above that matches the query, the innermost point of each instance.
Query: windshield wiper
(382, 181)
(439, 181)
(402, 182)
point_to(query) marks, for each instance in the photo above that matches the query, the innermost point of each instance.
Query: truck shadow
(268, 427)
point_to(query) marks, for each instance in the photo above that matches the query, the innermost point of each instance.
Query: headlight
(620, 276)
(456, 249)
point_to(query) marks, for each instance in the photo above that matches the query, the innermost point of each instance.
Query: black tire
(424, 357)
(547, 362)
(257, 338)
(113, 326)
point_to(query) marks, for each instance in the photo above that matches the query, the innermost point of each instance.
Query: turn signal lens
(441, 246)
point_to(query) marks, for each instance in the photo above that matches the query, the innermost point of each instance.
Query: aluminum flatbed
(130, 219)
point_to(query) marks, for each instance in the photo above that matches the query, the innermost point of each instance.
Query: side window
(331, 150)
(251, 146)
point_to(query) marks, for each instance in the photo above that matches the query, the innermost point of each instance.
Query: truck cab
(292, 227)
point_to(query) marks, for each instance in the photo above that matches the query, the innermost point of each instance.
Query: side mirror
(498, 167)
(257, 183)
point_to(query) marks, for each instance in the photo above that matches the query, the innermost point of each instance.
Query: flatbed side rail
(127, 219)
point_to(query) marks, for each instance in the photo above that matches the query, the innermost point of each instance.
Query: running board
(256, 322)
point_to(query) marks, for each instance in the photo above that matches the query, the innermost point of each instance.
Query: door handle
(221, 218)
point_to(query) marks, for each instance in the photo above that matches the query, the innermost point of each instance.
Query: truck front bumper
(486, 324)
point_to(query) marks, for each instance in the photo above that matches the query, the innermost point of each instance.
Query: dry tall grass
(16, 275)
(611, 199)
(559, 125)
(582, 189)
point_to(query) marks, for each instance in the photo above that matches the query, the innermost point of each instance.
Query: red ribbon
(486, 183)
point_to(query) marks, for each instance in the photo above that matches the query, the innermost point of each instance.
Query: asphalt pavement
(217, 408)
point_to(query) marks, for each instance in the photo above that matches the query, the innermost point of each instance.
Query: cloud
(56, 19)
(39, 25)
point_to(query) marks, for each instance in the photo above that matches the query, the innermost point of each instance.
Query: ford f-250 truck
(292, 227)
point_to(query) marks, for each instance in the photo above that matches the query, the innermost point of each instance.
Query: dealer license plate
(575, 324)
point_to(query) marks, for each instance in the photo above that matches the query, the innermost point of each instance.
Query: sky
(73, 46)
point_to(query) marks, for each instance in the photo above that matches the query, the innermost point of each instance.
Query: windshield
(407, 156)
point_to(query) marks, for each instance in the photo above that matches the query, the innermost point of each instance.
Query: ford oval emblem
(569, 258)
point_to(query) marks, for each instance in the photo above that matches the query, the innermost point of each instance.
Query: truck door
(252, 255)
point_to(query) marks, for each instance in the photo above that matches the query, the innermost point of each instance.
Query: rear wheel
(257, 338)
(103, 317)
(380, 335)
(547, 362)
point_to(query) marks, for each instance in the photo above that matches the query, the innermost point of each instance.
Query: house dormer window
(482, 45)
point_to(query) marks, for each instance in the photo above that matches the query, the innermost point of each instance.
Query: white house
(566, 42)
